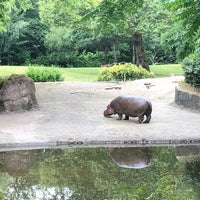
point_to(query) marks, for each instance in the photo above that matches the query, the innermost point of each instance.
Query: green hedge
(44, 74)
(191, 68)
(123, 72)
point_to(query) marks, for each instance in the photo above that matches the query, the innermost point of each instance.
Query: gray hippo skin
(130, 106)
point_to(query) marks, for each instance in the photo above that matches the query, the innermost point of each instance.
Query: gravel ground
(71, 114)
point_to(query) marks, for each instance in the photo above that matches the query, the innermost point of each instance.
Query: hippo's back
(132, 106)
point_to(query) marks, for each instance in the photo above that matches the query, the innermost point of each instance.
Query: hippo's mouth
(106, 114)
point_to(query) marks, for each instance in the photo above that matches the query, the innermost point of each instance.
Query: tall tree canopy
(6, 6)
(95, 32)
(133, 18)
(188, 12)
(186, 26)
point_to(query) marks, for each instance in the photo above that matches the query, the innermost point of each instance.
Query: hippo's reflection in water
(131, 157)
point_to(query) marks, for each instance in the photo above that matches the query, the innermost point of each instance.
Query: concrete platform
(71, 114)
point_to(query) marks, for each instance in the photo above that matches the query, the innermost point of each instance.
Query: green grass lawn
(89, 74)
(166, 70)
(8, 70)
(80, 74)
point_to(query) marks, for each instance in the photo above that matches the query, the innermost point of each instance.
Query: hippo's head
(109, 111)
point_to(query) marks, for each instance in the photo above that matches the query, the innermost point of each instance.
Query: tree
(66, 42)
(136, 18)
(6, 6)
(186, 15)
(139, 57)
(90, 33)
(23, 40)
(64, 13)
(188, 12)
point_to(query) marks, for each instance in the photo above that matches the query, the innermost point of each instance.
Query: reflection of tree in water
(91, 174)
(130, 157)
(191, 156)
(17, 163)
(193, 170)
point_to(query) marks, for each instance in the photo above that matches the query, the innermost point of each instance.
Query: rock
(17, 94)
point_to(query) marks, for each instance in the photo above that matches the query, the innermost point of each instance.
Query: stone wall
(187, 99)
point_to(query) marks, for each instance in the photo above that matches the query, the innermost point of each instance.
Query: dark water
(101, 173)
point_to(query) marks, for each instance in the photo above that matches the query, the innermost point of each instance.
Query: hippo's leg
(126, 117)
(141, 118)
(148, 118)
(120, 116)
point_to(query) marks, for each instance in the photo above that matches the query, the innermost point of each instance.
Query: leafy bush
(88, 59)
(44, 74)
(123, 72)
(191, 68)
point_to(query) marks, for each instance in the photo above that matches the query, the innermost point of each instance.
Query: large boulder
(17, 94)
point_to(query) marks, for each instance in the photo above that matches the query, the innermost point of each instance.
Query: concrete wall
(186, 99)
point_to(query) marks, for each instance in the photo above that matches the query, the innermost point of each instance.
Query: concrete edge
(187, 99)
(94, 144)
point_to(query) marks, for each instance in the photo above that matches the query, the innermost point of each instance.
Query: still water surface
(134, 173)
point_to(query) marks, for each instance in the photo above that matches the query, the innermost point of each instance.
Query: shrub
(191, 68)
(88, 59)
(123, 72)
(44, 74)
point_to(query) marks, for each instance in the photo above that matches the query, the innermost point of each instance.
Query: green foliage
(89, 59)
(185, 30)
(110, 16)
(23, 40)
(191, 68)
(123, 72)
(188, 13)
(51, 32)
(64, 13)
(6, 6)
(45, 74)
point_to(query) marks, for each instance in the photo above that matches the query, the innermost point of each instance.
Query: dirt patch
(71, 113)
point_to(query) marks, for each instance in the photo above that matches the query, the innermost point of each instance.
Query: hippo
(130, 106)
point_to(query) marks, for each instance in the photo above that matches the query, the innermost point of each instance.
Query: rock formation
(17, 94)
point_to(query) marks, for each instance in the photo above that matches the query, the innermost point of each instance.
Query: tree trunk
(138, 51)
(105, 55)
(114, 53)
